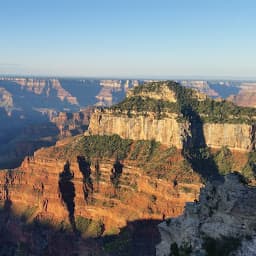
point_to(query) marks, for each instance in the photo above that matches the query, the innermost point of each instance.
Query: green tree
(224, 160)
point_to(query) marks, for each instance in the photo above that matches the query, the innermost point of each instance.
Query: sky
(128, 38)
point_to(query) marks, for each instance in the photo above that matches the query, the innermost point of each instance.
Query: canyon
(61, 187)
(28, 103)
(138, 164)
(31, 110)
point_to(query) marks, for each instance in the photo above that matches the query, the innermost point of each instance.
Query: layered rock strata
(139, 196)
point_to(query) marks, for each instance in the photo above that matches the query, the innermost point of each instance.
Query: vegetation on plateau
(197, 109)
(187, 105)
(151, 156)
(97, 147)
(144, 105)
(154, 159)
(249, 170)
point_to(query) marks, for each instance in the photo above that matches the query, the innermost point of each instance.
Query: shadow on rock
(67, 191)
(85, 169)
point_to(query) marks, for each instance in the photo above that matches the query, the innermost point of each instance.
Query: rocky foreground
(222, 222)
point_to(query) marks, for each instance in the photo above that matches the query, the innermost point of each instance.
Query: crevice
(253, 137)
(97, 174)
(195, 149)
(85, 169)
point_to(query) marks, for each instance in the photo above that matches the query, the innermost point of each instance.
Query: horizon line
(135, 77)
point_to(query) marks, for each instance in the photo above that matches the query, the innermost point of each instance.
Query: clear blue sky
(128, 38)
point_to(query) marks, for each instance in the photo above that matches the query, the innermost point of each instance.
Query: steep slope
(122, 188)
(140, 127)
(97, 185)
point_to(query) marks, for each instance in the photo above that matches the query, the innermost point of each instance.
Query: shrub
(224, 160)
(249, 170)
(89, 227)
(82, 224)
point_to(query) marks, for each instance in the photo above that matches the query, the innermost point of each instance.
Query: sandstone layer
(167, 131)
(235, 136)
(170, 132)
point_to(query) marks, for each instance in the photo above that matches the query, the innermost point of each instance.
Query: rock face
(167, 131)
(170, 132)
(222, 222)
(202, 86)
(236, 136)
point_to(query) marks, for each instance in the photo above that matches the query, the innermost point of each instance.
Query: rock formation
(162, 92)
(166, 123)
(70, 124)
(136, 195)
(167, 130)
(98, 183)
(246, 96)
(222, 222)
(239, 137)
(6, 100)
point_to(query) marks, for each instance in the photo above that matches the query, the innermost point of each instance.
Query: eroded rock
(223, 221)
